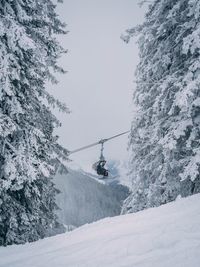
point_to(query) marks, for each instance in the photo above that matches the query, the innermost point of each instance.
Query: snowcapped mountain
(84, 198)
(165, 236)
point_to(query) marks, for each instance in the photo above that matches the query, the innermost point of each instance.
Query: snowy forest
(137, 198)
(165, 131)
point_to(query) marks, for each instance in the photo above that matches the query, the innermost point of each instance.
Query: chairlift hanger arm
(101, 142)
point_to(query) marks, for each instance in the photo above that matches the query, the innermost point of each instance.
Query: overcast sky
(99, 84)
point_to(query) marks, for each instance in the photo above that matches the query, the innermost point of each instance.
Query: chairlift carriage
(99, 166)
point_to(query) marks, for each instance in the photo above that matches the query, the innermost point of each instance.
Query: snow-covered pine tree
(28, 148)
(165, 134)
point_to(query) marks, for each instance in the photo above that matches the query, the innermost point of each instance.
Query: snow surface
(167, 236)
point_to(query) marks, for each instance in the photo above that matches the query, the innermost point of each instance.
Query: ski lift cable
(100, 142)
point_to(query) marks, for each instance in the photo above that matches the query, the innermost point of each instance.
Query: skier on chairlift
(100, 168)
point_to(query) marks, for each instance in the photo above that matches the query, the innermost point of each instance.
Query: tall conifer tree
(28, 148)
(165, 134)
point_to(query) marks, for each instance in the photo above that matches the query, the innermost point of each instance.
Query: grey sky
(98, 87)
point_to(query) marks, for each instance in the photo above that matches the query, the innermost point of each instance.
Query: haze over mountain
(84, 198)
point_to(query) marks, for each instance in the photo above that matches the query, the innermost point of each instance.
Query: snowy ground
(168, 236)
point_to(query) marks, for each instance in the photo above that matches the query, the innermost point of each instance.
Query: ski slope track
(167, 236)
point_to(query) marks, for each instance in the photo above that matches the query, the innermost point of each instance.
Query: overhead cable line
(100, 142)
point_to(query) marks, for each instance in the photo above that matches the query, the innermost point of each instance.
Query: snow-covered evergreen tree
(28, 148)
(165, 134)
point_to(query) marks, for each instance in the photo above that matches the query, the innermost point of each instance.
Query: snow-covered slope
(83, 199)
(168, 236)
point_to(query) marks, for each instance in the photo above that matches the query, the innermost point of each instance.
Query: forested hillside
(83, 199)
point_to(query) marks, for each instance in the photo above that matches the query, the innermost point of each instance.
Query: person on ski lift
(100, 168)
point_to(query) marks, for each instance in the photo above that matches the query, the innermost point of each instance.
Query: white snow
(168, 236)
